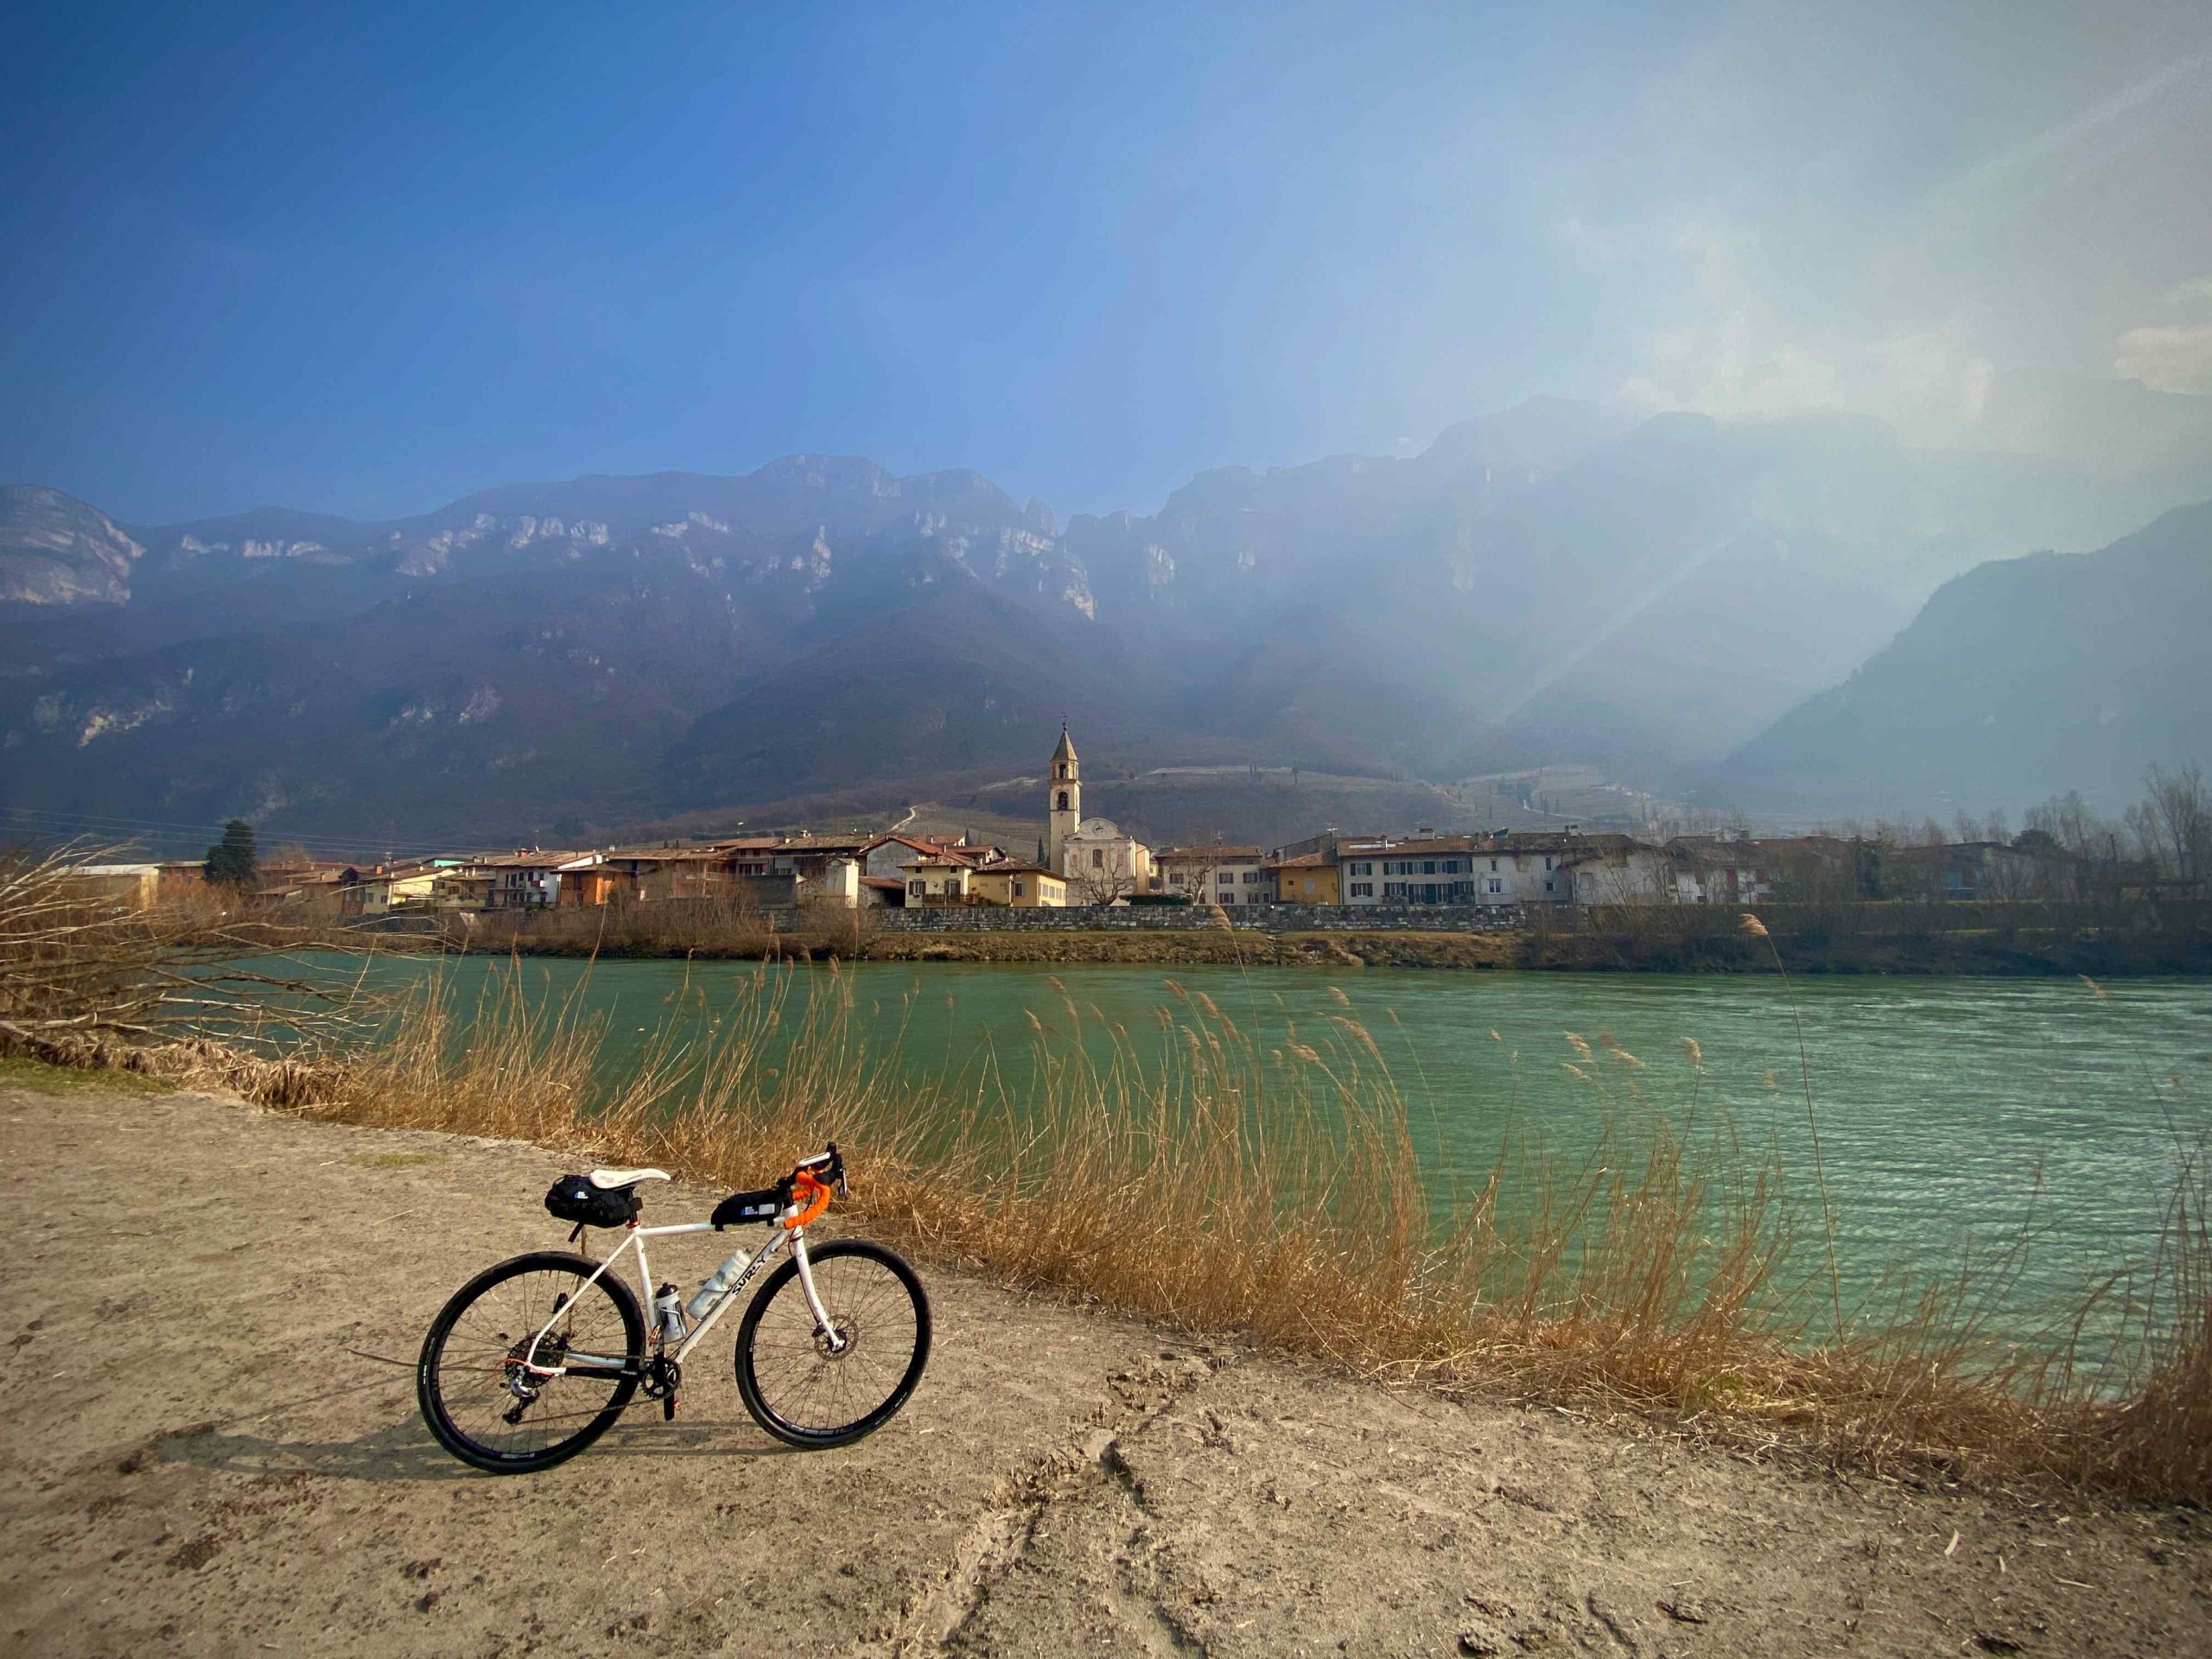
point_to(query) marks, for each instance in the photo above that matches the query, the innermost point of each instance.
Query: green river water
(1953, 1113)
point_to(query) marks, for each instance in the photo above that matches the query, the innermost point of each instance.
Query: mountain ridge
(1554, 581)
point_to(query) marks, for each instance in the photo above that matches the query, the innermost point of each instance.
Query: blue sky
(365, 259)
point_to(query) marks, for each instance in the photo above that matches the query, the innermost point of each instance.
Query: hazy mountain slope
(451, 707)
(2022, 678)
(959, 682)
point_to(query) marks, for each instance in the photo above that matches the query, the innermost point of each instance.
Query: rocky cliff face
(56, 550)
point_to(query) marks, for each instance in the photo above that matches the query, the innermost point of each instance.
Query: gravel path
(206, 1452)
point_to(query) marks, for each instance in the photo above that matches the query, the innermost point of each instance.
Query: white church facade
(1100, 861)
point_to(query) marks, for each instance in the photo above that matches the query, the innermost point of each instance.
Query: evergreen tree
(230, 861)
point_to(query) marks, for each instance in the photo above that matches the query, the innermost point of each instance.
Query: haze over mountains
(1555, 581)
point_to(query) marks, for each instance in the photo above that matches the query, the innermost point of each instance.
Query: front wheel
(812, 1386)
(531, 1362)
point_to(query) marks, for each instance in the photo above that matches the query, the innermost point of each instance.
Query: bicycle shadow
(404, 1450)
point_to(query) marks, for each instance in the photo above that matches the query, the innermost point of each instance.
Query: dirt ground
(208, 1450)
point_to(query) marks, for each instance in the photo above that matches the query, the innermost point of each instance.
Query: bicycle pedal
(668, 1406)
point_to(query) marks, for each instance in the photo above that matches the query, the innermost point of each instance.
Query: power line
(173, 831)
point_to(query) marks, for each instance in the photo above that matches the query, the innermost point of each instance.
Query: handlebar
(811, 1191)
(814, 1194)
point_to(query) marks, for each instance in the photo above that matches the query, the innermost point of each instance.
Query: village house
(1301, 878)
(1213, 874)
(1019, 885)
(1610, 870)
(522, 879)
(465, 886)
(1710, 871)
(1528, 866)
(936, 881)
(382, 890)
(648, 875)
(883, 891)
(890, 855)
(1820, 869)
(1424, 869)
(133, 886)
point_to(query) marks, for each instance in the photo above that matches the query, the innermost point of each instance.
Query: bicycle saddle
(613, 1181)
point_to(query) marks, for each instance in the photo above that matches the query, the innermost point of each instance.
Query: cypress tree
(231, 861)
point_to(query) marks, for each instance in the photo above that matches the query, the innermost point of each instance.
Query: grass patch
(17, 1071)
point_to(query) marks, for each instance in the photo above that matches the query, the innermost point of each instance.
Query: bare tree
(2173, 821)
(1100, 886)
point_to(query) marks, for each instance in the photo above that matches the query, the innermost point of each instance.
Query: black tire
(807, 1396)
(461, 1378)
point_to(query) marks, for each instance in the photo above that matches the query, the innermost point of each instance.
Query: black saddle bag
(572, 1198)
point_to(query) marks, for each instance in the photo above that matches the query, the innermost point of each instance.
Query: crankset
(663, 1378)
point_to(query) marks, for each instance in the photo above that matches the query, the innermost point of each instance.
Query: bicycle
(534, 1358)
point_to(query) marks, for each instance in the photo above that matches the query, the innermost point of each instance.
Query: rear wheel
(816, 1387)
(481, 1380)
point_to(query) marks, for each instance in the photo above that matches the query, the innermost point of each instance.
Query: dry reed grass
(1207, 1181)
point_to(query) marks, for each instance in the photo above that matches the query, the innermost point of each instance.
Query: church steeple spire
(1064, 803)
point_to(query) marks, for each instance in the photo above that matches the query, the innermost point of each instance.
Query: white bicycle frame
(637, 1235)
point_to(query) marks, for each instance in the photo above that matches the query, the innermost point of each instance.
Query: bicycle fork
(832, 1339)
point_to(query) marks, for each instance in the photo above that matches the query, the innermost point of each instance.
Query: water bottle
(668, 1313)
(722, 1278)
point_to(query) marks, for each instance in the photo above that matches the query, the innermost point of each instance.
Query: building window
(1428, 867)
(1097, 858)
(915, 889)
(1363, 889)
(1548, 886)
(1547, 864)
(1063, 800)
(1252, 876)
(1495, 886)
(1493, 865)
(1017, 889)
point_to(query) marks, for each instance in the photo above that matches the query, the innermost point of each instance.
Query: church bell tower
(1065, 804)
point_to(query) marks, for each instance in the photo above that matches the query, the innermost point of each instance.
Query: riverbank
(1988, 952)
(1707, 943)
(212, 1295)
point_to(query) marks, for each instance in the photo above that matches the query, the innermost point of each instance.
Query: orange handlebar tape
(813, 1210)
